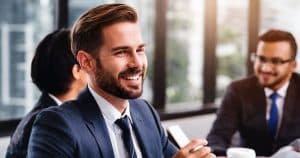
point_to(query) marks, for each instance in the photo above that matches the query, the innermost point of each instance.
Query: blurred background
(195, 48)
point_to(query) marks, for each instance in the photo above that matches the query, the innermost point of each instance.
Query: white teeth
(132, 77)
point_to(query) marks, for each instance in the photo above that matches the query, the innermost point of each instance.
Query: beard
(107, 82)
(275, 79)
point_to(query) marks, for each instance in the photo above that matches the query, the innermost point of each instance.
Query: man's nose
(136, 60)
(267, 66)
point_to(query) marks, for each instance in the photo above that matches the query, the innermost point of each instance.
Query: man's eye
(121, 52)
(140, 50)
(262, 59)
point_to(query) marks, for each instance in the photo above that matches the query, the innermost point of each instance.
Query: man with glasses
(263, 108)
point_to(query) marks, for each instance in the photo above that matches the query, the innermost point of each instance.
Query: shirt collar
(281, 91)
(107, 109)
(57, 101)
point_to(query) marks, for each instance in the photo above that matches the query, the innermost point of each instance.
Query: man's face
(273, 64)
(121, 63)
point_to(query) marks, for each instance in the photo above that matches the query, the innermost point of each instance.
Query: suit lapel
(143, 133)
(259, 108)
(95, 122)
(289, 105)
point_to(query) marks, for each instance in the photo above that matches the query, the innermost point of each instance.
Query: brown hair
(279, 35)
(86, 33)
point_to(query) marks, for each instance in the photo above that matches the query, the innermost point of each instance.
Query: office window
(184, 44)
(231, 42)
(281, 14)
(22, 25)
(146, 14)
(78, 7)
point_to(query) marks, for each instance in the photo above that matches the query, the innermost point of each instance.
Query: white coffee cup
(237, 152)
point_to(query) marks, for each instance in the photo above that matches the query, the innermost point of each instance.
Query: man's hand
(195, 149)
(292, 150)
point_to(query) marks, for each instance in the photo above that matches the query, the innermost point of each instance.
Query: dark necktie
(124, 124)
(273, 120)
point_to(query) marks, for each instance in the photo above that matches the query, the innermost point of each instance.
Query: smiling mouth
(132, 74)
(133, 77)
(267, 74)
(133, 81)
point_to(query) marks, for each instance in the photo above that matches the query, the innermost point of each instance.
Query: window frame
(159, 83)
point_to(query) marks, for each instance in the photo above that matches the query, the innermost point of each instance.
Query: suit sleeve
(50, 137)
(19, 141)
(169, 148)
(226, 123)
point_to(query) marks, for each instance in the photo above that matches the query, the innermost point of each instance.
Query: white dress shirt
(111, 114)
(57, 101)
(279, 101)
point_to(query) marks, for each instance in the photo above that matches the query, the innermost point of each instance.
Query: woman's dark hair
(51, 67)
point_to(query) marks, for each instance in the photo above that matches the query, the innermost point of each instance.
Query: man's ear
(76, 71)
(86, 61)
(295, 64)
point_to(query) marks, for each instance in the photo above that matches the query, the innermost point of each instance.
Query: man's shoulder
(247, 82)
(248, 79)
(19, 140)
(296, 78)
(141, 106)
(66, 110)
(44, 101)
(139, 103)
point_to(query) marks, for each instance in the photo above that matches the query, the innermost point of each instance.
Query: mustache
(268, 73)
(131, 71)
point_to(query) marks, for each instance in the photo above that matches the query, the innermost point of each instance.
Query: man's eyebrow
(120, 47)
(142, 45)
(126, 47)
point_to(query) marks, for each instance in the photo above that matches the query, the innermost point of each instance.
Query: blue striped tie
(124, 124)
(273, 120)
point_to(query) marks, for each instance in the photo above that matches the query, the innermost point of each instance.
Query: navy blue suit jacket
(78, 129)
(19, 141)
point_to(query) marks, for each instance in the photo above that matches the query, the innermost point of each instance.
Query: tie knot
(274, 96)
(123, 123)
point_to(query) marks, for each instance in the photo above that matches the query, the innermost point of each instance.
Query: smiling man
(263, 108)
(107, 120)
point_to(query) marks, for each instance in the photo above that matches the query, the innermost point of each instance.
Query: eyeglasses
(273, 61)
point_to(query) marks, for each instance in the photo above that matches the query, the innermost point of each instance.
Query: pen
(198, 147)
